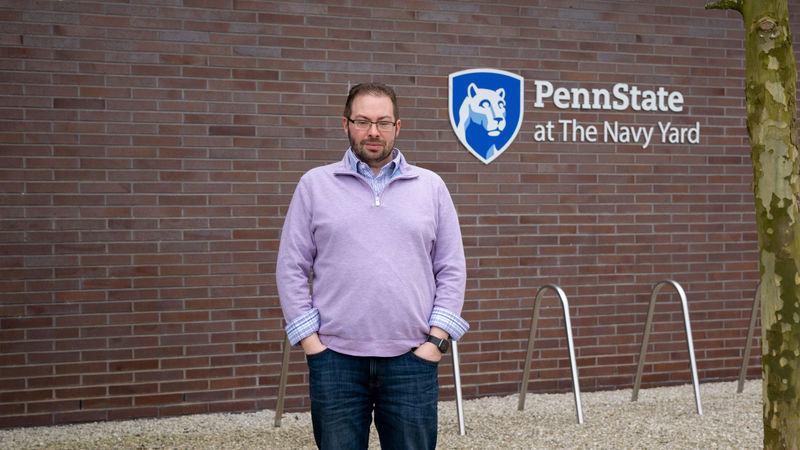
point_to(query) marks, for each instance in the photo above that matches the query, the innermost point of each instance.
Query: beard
(370, 157)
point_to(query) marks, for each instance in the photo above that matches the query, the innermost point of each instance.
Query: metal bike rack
(285, 369)
(646, 338)
(575, 386)
(282, 386)
(749, 341)
(457, 378)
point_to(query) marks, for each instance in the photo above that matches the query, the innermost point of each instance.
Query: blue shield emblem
(485, 110)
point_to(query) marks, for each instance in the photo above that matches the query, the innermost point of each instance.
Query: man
(383, 242)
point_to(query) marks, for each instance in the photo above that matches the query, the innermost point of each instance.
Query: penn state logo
(485, 110)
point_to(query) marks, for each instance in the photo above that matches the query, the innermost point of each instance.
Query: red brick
(132, 413)
(29, 395)
(78, 103)
(26, 420)
(183, 409)
(160, 399)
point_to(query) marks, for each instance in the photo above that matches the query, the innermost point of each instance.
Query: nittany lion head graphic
(484, 107)
(485, 110)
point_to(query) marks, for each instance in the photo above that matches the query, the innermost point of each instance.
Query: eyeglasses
(364, 125)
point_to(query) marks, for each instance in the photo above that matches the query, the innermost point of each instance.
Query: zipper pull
(377, 201)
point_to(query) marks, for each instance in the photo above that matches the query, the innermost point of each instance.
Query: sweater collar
(391, 168)
(348, 163)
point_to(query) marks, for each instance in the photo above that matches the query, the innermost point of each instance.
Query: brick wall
(150, 149)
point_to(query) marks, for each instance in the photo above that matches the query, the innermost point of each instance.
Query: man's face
(372, 146)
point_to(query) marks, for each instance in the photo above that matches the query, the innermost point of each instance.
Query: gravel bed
(663, 417)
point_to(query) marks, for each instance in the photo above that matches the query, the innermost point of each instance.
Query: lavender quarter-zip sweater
(381, 266)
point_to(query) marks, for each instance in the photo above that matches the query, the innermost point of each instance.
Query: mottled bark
(772, 126)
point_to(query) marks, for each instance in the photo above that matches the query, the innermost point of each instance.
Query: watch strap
(442, 344)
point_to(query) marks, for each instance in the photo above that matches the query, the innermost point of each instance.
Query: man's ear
(344, 125)
(397, 128)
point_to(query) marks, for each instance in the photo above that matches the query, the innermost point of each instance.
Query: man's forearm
(438, 332)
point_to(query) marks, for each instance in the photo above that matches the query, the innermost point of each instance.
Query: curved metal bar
(459, 399)
(749, 341)
(575, 386)
(282, 386)
(646, 338)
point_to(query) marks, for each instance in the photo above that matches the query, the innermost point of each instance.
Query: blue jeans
(402, 391)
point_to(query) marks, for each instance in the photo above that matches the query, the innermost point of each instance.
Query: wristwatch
(441, 344)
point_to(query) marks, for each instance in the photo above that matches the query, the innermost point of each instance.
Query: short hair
(371, 89)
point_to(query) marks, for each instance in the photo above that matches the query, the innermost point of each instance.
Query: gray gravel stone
(662, 417)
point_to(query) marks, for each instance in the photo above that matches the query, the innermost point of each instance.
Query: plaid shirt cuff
(445, 319)
(303, 326)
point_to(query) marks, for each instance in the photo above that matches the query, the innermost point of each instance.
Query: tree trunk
(772, 126)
